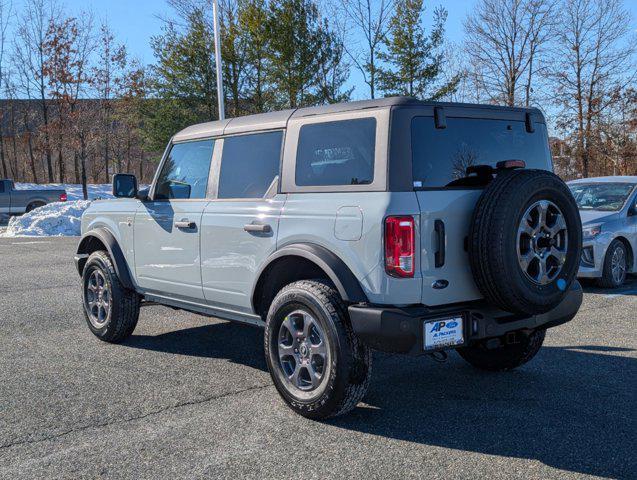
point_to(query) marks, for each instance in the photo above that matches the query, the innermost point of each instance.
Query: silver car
(608, 207)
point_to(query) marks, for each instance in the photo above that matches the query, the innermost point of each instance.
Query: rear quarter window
(336, 153)
(440, 156)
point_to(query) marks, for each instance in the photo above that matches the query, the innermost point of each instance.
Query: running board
(206, 310)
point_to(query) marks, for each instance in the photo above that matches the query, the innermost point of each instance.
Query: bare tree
(111, 62)
(595, 62)
(29, 54)
(68, 46)
(505, 38)
(368, 20)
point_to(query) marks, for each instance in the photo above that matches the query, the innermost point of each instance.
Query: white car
(608, 207)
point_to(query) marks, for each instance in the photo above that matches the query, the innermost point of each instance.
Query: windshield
(601, 196)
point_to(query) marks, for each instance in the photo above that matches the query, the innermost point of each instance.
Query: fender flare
(114, 250)
(338, 272)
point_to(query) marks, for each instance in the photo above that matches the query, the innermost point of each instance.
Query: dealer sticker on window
(444, 332)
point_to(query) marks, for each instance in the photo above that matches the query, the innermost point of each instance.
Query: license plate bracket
(443, 333)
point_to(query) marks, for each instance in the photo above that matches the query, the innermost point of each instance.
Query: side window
(336, 153)
(249, 163)
(185, 171)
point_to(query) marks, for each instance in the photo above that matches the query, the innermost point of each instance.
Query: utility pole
(215, 15)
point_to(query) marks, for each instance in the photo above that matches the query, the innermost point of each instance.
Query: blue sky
(135, 21)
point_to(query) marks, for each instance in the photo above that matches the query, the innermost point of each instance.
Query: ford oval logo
(440, 284)
(452, 324)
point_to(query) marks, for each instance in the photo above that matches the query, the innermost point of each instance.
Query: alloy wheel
(303, 351)
(542, 242)
(618, 265)
(98, 299)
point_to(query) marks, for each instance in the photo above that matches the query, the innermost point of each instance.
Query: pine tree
(299, 45)
(413, 58)
(183, 80)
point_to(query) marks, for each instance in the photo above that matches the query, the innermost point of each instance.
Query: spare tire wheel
(525, 241)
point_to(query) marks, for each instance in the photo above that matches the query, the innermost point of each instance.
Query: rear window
(441, 156)
(336, 153)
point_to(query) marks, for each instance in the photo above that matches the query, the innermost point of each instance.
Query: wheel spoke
(558, 226)
(308, 323)
(526, 259)
(315, 378)
(558, 254)
(288, 324)
(543, 207)
(295, 378)
(285, 350)
(542, 275)
(526, 229)
(320, 350)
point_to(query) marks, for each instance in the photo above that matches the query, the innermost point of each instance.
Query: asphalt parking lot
(190, 397)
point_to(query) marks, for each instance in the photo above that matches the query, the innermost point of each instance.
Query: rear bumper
(400, 330)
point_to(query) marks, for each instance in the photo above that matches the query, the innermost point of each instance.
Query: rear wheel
(34, 205)
(111, 311)
(503, 354)
(317, 363)
(615, 265)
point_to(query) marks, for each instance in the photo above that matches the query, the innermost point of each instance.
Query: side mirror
(124, 185)
(143, 194)
(632, 211)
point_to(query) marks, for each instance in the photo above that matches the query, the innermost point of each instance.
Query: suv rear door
(442, 147)
(239, 226)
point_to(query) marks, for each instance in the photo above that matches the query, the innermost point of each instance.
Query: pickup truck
(16, 201)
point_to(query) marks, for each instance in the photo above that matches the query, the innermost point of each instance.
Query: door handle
(185, 224)
(439, 256)
(256, 227)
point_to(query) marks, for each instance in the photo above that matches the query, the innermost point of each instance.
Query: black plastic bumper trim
(400, 330)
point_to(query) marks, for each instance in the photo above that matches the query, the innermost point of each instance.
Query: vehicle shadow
(629, 288)
(231, 341)
(573, 408)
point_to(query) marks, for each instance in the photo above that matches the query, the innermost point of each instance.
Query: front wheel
(111, 311)
(504, 356)
(615, 266)
(318, 365)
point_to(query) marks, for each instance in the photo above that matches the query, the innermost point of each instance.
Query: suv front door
(168, 227)
(239, 227)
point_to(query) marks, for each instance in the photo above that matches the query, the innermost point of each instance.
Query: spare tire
(525, 241)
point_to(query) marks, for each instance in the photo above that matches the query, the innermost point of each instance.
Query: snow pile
(54, 219)
(73, 190)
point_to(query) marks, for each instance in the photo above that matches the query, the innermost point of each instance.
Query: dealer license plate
(443, 332)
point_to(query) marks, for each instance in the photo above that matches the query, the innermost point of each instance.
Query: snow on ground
(52, 220)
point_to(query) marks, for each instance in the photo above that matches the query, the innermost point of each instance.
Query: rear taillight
(399, 246)
(62, 197)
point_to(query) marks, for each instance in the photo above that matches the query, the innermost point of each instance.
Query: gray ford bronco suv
(393, 224)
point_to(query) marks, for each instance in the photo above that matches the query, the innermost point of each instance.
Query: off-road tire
(351, 360)
(607, 280)
(507, 356)
(124, 311)
(493, 237)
